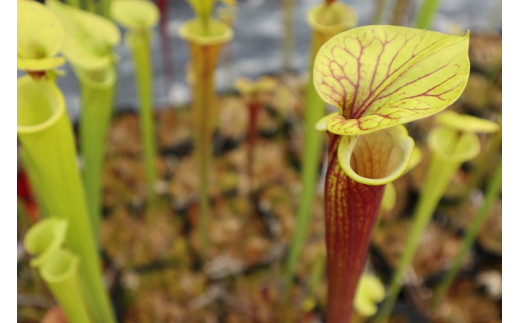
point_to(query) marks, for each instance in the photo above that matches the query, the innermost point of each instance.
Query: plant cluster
(380, 78)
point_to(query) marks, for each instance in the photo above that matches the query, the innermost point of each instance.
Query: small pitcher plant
(205, 37)
(57, 266)
(379, 77)
(250, 91)
(139, 16)
(452, 143)
(490, 196)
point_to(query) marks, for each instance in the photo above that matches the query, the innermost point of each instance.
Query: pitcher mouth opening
(217, 32)
(40, 104)
(332, 18)
(376, 158)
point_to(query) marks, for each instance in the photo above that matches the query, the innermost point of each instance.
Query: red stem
(351, 210)
(254, 107)
(25, 194)
(165, 42)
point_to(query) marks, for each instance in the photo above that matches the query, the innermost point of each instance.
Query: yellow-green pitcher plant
(326, 20)
(88, 46)
(451, 143)
(57, 266)
(205, 36)
(138, 17)
(45, 133)
(379, 77)
(490, 196)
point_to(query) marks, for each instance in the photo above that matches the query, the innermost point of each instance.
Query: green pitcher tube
(97, 98)
(449, 150)
(88, 46)
(45, 133)
(60, 273)
(139, 17)
(491, 194)
(138, 42)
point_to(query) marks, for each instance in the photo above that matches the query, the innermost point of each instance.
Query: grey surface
(257, 46)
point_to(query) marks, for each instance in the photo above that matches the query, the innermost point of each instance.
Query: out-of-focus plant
(452, 143)
(370, 291)
(326, 20)
(288, 42)
(45, 133)
(104, 8)
(139, 16)
(379, 11)
(490, 197)
(30, 200)
(228, 14)
(315, 277)
(166, 49)
(491, 194)
(39, 39)
(426, 13)
(251, 91)
(37, 55)
(88, 46)
(57, 266)
(400, 9)
(205, 36)
(379, 77)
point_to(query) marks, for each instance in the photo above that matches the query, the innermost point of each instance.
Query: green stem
(139, 44)
(380, 9)
(427, 13)
(400, 11)
(439, 175)
(318, 269)
(45, 133)
(491, 195)
(314, 110)
(481, 164)
(61, 275)
(97, 97)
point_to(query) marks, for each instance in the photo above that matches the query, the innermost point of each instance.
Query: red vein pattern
(381, 76)
(351, 210)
